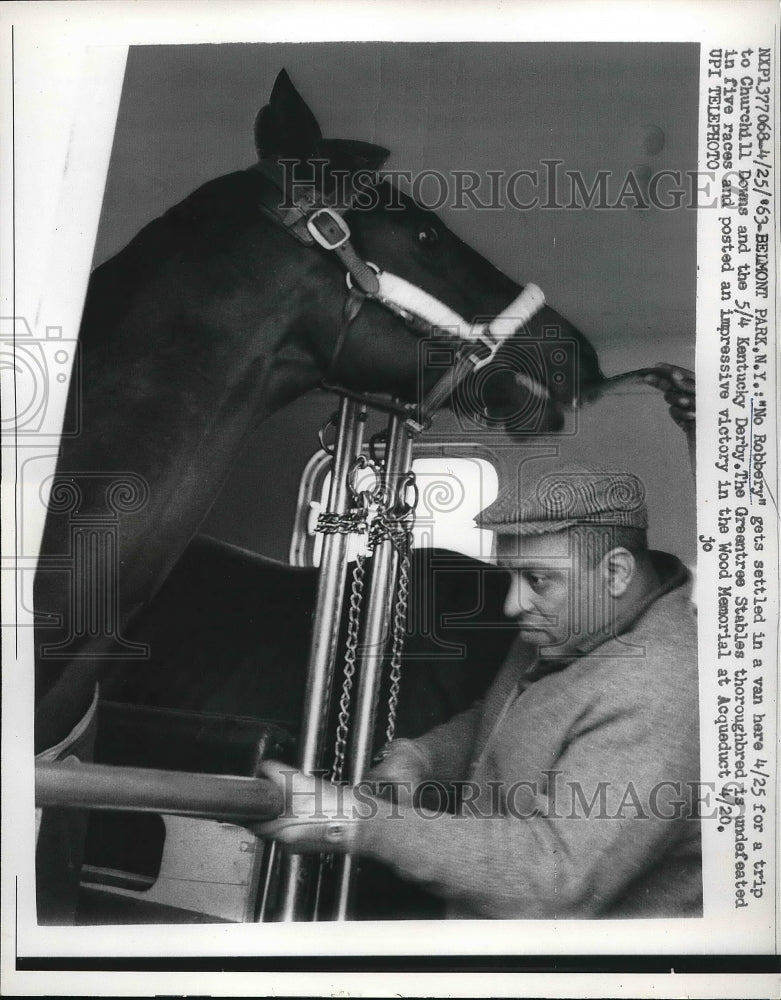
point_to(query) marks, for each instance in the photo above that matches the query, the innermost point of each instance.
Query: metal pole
(223, 797)
(382, 588)
(297, 871)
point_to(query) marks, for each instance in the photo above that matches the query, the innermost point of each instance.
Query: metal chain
(354, 620)
(382, 525)
(352, 522)
(399, 628)
(401, 536)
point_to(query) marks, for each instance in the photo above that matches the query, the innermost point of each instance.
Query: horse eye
(428, 236)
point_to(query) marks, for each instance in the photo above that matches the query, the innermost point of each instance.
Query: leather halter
(313, 220)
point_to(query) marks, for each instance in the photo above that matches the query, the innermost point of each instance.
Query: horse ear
(352, 155)
(286, 126)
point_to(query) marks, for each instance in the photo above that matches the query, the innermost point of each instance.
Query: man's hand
(678, 387)
(319, 817)
(679, 390)
(399, 773)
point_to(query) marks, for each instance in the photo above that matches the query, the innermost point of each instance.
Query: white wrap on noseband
(517, 314)
(411, 302)
(408, 300)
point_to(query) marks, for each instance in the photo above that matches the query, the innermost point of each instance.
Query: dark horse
(213, 317)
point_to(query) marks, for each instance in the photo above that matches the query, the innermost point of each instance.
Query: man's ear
(618, 569)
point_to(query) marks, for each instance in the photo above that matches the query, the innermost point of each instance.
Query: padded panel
(229, 633)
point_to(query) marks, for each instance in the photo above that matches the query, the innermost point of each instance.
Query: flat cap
(567, 498)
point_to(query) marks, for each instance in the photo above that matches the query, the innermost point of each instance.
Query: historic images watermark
(37, 366)
(551, 798)
(541, 367)
(34, 368)
(93, 504)
(550, 185)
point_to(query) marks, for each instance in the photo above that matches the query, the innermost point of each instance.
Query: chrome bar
(375, 635)
(228, 798)
(297, 871)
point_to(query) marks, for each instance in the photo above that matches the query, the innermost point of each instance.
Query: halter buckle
(320, 237)
(491, 343)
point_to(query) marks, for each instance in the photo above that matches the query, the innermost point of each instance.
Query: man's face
(555, 598)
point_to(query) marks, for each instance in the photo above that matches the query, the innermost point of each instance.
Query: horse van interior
(228, 632)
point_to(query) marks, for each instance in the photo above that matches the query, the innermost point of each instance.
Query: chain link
(371, 515)
(399, 530)
(399, 628)
(351, 522)
(354, 620)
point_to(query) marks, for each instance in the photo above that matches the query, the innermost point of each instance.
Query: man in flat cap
(578, 771)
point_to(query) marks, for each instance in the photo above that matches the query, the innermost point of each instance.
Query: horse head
(544, 367)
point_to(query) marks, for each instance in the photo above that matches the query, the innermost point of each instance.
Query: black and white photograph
(393, 500)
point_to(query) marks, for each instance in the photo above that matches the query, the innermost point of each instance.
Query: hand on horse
(319, 817)
(679, 390)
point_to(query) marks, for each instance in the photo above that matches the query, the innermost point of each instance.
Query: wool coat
(582, 780)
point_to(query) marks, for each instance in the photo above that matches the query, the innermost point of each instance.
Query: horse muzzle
(428, 316)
